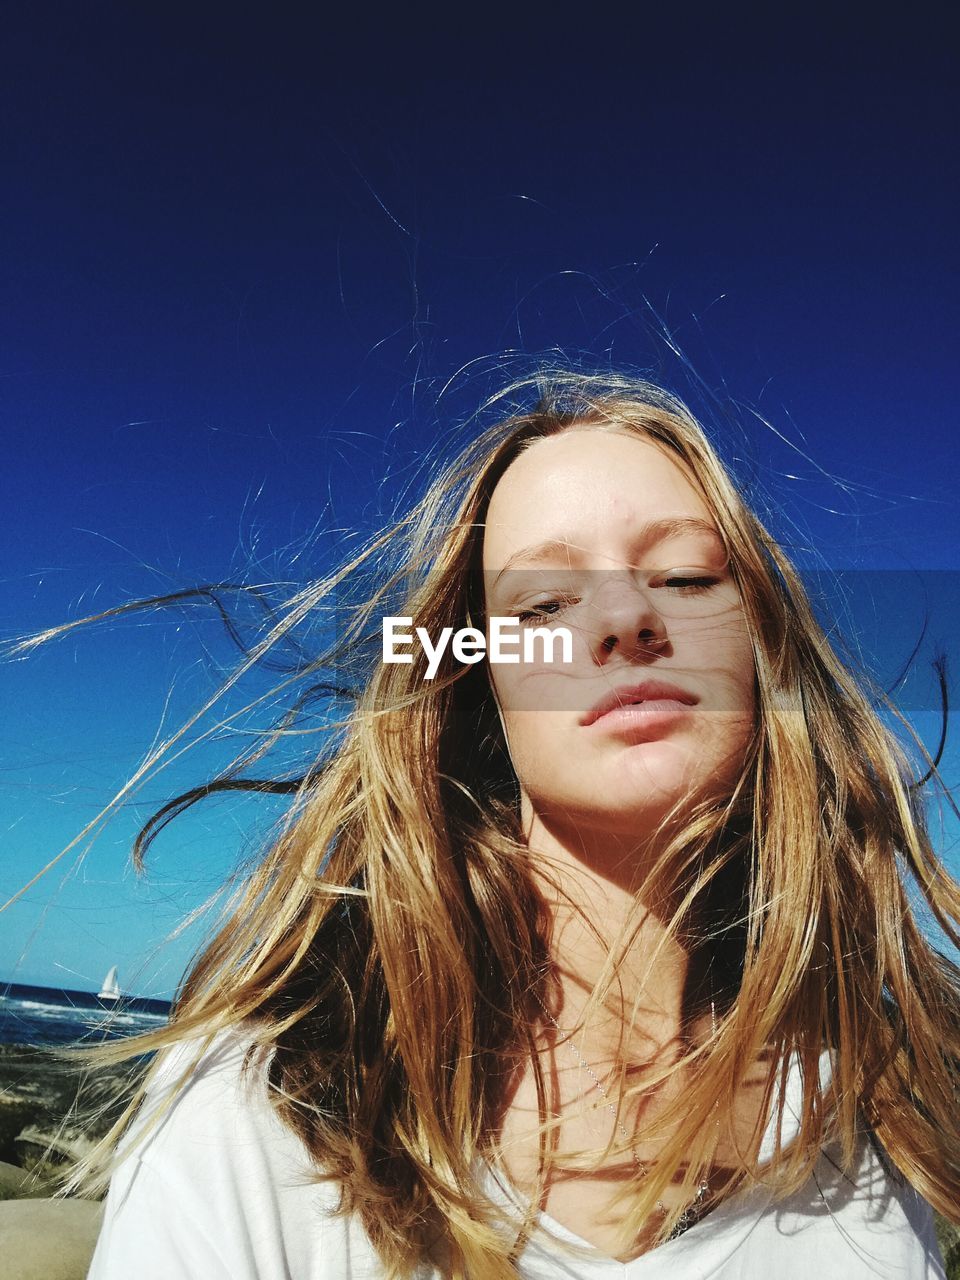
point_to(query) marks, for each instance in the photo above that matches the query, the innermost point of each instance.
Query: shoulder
(211, 1183)
(205, 1092)
(863, 1221)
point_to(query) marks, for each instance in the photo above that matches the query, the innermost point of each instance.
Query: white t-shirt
(221, 1191)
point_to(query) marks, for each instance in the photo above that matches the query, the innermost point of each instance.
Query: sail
(111, 987)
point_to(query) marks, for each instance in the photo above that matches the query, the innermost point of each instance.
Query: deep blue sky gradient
(244, 248)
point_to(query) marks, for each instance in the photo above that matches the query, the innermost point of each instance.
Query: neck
(615, 941)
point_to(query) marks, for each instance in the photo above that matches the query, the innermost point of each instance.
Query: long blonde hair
(392, 946)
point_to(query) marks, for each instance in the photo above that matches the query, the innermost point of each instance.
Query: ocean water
(54, 1016)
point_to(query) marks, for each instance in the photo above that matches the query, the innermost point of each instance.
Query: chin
(618, 815)
(661, 767)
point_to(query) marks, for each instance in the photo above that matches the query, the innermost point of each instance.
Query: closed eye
(543, 609)
(690, 586)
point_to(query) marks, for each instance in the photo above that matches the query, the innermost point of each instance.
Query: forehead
(588, 486)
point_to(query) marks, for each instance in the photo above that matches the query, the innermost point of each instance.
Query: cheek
(750, 687)
(740, 671)
(515, 725)
(525, 733)
(539, 756)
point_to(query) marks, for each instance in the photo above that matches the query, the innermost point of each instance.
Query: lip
(644, 691)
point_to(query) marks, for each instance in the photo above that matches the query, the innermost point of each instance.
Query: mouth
(631, 695)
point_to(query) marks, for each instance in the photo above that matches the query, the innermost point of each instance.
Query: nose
(622, 617)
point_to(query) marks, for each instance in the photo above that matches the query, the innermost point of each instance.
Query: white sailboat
(111, 987)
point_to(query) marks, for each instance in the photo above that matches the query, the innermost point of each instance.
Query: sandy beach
(50, 1113)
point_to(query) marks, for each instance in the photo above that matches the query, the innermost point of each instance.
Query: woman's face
(624, 590)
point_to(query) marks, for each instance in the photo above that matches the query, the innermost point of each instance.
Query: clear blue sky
(244, 248)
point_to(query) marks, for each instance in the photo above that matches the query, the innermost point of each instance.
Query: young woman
(598, 966)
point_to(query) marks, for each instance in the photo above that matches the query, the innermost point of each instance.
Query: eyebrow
(652, 533)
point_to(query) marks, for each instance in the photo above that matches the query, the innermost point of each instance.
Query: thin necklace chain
(692, 1212)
